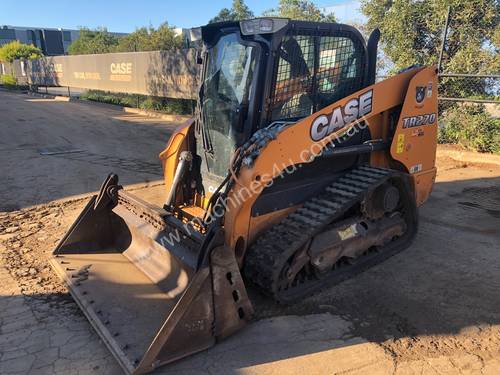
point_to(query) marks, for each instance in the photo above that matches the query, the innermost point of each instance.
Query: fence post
(445, 33)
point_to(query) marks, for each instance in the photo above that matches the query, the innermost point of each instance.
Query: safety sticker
(400, 146)
(416, 168)
(418, 132)
(348, 232)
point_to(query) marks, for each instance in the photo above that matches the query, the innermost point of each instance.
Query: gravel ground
(433, 309)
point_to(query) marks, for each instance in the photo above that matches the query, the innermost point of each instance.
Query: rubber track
(266, 257)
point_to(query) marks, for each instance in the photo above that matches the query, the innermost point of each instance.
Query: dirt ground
(432, 309)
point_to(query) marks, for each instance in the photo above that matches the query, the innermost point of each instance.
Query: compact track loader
(297, 172)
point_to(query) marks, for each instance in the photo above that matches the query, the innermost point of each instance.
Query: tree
(300, 10)
(412, 32)
(330, 17)
(238, 11)
(241, 11)
(93, 41)
(150, 39)
(17, 50)
(139, 40)
(225, 14)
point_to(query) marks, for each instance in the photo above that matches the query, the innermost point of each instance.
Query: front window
(226, 90)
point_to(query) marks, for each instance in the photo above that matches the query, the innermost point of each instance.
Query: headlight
(266, 25)
(262, 25)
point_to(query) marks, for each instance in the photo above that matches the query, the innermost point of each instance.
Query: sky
(127, 15)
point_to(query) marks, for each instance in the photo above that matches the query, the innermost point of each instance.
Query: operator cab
(256, 72)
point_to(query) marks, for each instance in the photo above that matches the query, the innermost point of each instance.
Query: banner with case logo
(158, 73)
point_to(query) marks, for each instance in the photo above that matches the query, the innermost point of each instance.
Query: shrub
(470, 126)
(17, 50)
(150, 103)
(104, 97)
(8, 80)
(167, 105)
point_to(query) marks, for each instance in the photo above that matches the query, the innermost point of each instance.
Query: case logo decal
(324, 125)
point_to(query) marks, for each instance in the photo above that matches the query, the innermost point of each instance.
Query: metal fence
(469, 62)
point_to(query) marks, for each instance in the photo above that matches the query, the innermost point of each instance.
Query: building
(51, 41)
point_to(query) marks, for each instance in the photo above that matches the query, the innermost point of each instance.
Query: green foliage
(224, 15)
(104, 97)
(150, 39)
(470, 87)
(17, 50)
(300, 10)
(165, 105)
(330, 17)
(93, 41)
(412, 32)
(239, 11)
(8, 80)
(471, 126)
(142, 39)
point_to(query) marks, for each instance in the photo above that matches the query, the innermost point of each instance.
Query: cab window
(314, 71)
